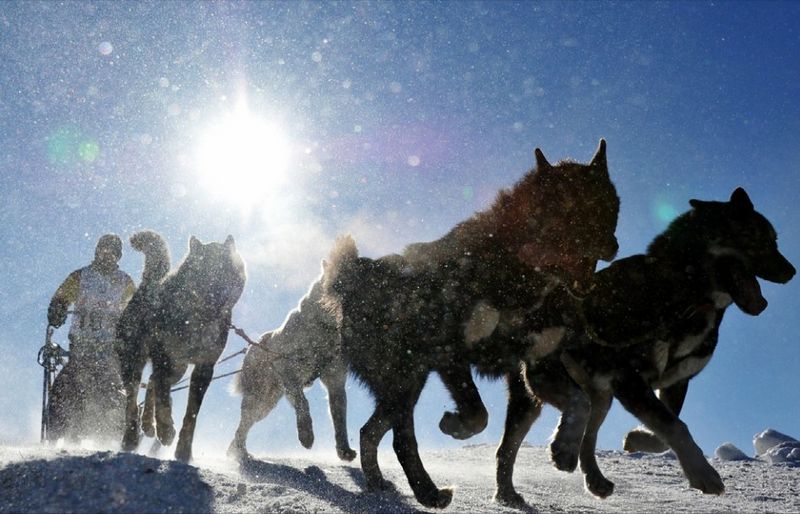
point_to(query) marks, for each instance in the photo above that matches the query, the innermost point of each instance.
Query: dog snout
(779, 270)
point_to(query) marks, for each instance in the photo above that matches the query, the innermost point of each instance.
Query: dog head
(572, 219)
(217, 269)
(739, 244)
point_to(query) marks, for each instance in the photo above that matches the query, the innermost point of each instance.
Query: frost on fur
(341, 259)
(156, 255)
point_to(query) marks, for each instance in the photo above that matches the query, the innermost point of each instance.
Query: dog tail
(339, 266)
(256, 373)
(156, 255)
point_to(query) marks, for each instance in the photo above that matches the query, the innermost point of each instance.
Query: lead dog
(653, 322)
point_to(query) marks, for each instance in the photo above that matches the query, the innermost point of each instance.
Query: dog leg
(639, 400)
(198, 385)
(149, 411)
(523, 409)
(334, 378)
(641, 439)
(405, 447)
(256, 405)
(550, 382)
(595, 482)
(470, 417)
(131, 367)
(161, 376)
(370, 436)
(298, 400)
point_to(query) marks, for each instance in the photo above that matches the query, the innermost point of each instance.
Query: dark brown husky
(404, 316)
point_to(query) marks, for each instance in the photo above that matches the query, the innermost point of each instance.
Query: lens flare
(67, 147)
(664, 211)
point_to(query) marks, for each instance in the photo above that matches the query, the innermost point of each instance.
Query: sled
(51, 357)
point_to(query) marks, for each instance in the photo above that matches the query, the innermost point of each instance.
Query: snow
(48, 479)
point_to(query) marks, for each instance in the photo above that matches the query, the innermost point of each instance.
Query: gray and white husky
(306, 347)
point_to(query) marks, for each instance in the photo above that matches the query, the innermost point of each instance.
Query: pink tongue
(747, 294)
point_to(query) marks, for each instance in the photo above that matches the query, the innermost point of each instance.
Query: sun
(242, 158)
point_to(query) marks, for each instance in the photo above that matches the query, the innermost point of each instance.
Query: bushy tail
(156, 256)
(256, 375)
(338, 266)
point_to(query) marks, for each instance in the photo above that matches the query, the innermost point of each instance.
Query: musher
(87, 398)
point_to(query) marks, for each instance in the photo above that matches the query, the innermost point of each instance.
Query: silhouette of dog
(653, 322)
(176, 319)
(306, 347)
(403, 316)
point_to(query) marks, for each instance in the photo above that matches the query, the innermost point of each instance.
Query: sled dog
(306, 347)
(175, 319)
(652, 323)
(403, 316)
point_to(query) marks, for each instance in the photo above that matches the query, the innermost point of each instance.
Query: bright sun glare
(241, 157)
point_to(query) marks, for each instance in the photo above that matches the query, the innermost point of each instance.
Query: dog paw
(460, 426)
(306, 436)
(166, 434)
(708, 482)
(438, 499)
(149, 429)
(183, 452)
(238, 453)
(509, 498)
(346, 454)
(378, 484)
(599, 486)
(564, 457)
(130, 441)
(639, 440)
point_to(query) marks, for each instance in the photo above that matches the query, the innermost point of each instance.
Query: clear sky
(392, 121)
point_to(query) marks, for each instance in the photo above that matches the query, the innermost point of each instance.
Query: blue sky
(398, 120)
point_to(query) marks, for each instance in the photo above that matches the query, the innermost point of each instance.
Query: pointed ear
(324, 265)
(194, 244)
(741, 200)
(229, 242)
(599, 159)
(541, 161)
(696, 203)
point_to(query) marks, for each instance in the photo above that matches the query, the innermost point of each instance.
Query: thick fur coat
(653, 322)
(305, 348)
(430, 309)
(176, 319)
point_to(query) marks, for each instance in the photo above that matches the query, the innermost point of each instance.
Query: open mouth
(745, 289)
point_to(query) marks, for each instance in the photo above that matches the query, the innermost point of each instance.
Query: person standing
(87, 398)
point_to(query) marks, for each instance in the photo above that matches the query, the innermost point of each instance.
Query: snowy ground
(41, 479)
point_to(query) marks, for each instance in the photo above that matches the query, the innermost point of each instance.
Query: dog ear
(194, 244)
(324, 265)
(741, 200)
(229, 242)
(541, 162)
(599, 159)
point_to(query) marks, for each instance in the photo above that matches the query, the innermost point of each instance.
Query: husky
(175, 319)
(403, 316)
(652, 323)
(306, 347)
